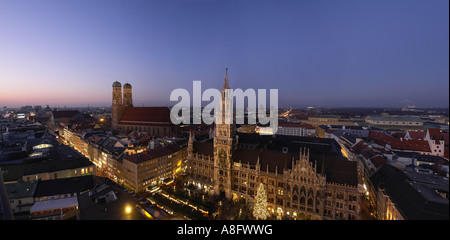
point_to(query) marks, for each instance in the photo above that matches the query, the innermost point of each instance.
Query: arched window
(302, 200)
(310, 192)
(303, 190)
(295, 190)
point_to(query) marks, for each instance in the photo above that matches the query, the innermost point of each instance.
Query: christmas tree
(260, 208)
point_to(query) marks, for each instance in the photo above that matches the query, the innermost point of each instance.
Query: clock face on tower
(222, 157)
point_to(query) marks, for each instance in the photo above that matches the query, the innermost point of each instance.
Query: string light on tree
(260, 210)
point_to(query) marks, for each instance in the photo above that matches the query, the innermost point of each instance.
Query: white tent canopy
(55, 204)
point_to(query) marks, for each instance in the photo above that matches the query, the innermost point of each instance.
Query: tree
(260, 209)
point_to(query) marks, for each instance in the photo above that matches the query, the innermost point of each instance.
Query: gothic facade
(298, 186)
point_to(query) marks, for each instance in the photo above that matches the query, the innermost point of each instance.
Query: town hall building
(304, 177)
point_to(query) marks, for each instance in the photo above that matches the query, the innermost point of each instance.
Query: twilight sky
(353, 53)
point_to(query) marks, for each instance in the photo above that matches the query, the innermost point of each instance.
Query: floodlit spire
(191, 137)
(226, 85)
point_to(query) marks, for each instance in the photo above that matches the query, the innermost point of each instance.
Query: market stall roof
(54, 204)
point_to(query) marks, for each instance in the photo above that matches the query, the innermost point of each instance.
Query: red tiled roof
(434, 133)
(378, 161)
(379, 138)
(382, 150)
(399, 144)
(417, 135)
(446, 152)
(152, 154)
(147, 155)
(275, 161)
(145, 114)
(415, 145)
(360, 147)
(339, 171)
(399, 135)
(205, 148)
(445, 136)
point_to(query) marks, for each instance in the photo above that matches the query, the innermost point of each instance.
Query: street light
(128, 209)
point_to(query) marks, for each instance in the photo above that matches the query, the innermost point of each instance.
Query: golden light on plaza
(128, 209)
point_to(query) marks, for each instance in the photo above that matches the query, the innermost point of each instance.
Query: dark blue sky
(317, 53)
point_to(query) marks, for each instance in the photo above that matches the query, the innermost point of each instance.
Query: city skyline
(217, 110)
(321, 53)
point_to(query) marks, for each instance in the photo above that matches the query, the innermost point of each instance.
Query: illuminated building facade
(296, 129)
(152, 167)
(410, 195)
(301, 182)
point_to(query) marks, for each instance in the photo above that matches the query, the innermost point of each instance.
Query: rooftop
(275, 154)
(47, 205)
(435, 134)
(416, 135)
(416, 195)
(64, 186)
(21, 189)
(146, 114)
(299, 125)
(345, 127)
(5, 207)
(150, 154)
(14, 172)
(396, 118)
(95, 205)
(66, 114)
(399, 144)
(323, 116)
(379, 161)
(109, 144)
(205, 148)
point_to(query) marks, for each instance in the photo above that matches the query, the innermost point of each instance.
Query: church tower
(190, 148)
(116, 107)
(127, 97)
(225, 141)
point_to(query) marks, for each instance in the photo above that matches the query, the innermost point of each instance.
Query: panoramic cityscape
(224, 110)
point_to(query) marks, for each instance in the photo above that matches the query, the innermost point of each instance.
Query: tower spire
(190, 143)
(226, 85)
(191, 137)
